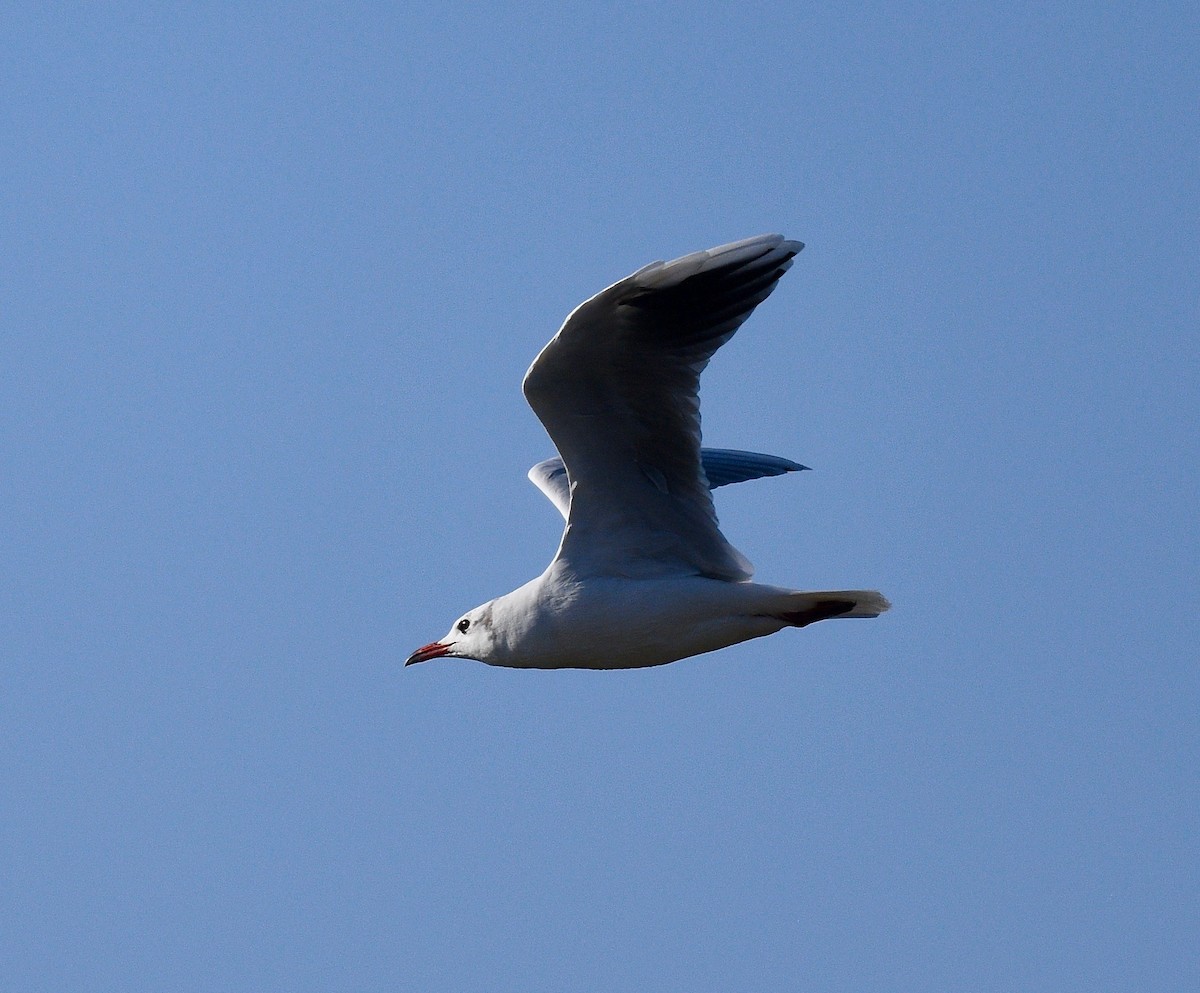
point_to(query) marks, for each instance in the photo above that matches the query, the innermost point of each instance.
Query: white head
(471, 637)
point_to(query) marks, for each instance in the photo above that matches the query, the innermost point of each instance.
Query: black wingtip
(822, 610)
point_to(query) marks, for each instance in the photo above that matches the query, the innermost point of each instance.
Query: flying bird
(643, 575)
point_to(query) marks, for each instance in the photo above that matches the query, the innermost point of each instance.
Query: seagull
(643, 575)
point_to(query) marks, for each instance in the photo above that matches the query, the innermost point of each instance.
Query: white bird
(643, 575)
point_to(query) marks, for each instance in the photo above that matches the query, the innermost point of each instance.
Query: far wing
(550, 477)
(617, 391)
(722, 466)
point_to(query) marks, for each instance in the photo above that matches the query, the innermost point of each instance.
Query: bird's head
(470, 637)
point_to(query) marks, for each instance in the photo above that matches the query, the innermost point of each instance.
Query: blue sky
(273, 274)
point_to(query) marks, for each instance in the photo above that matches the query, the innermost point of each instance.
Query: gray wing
(617, 391)
(722, 466)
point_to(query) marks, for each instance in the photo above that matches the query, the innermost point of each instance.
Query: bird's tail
(807, 608)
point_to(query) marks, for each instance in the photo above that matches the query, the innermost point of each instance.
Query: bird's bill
(433, 650)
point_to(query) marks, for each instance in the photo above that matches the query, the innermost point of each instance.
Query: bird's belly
(630, 624)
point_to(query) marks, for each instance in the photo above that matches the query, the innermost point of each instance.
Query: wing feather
(617, 391)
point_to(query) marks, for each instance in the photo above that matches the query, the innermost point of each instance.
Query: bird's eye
(463, 625)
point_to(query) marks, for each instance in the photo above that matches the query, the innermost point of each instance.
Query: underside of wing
(722, 466)
(617, 391)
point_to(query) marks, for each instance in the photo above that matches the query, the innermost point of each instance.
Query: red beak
(426, 652)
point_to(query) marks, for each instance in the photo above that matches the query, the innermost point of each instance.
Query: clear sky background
(272, 275)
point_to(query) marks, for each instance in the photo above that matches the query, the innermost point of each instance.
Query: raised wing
(722, 466)
(617, 391)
